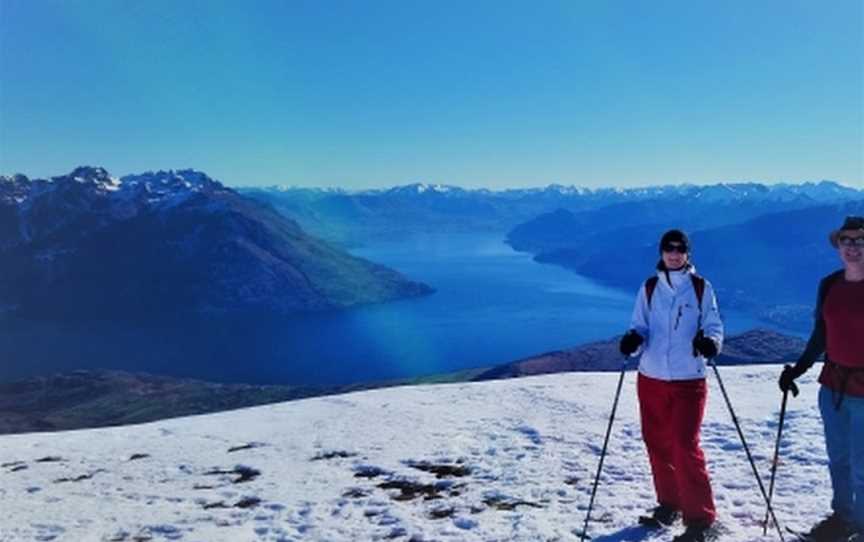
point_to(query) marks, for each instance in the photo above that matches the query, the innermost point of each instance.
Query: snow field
(502, 460)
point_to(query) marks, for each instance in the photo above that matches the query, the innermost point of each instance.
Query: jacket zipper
(669, 338)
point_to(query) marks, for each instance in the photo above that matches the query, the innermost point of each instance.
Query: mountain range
(642, 219)
(769, 265)
(88, 245)
(358, 217)
(762, 245)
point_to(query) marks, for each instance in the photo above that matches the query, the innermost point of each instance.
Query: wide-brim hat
(851, 224)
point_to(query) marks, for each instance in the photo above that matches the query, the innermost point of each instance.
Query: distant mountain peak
(423, 188)
(84, 173)
(567, 190)
(14, 188)
(95, 177)
(189, 179)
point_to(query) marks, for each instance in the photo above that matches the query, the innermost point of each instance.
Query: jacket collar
(680, 279)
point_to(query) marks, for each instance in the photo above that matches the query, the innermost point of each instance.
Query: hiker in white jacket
(671, 322)
(675, 326)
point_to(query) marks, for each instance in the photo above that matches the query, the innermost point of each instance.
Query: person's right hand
(787, 380)
(630, 342)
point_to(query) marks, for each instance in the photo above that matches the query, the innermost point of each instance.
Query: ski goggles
(674, 247)
(846, 241)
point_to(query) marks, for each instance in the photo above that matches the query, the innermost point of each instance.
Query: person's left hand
(704, 346)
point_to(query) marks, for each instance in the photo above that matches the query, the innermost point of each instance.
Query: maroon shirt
(843, 312)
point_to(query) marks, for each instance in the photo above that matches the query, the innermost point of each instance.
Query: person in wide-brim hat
(837, 334)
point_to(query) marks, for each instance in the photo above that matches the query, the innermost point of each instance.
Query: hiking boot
(661, 516)
(831, 529)
(697, 533)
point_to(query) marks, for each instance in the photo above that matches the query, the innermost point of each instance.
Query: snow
(422, 188)
(502, 460)
(570, 190)
(113, 185)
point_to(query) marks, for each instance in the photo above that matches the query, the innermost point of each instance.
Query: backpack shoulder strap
(698, 287)
(650, 286)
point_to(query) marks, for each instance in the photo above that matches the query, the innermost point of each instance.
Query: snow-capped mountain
(821, 191)
(357, 216)
(417, 189)
(503, 460)
(92, 195)
(87, 244)
(824, 190)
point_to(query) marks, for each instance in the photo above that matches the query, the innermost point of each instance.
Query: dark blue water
(492, 305)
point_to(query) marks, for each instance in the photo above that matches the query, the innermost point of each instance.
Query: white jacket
(670, 325)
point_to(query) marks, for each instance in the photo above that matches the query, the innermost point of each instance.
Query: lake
(492, 305)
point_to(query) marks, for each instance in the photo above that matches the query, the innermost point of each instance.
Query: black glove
(630, 342)
(704, 346)
(787, 379)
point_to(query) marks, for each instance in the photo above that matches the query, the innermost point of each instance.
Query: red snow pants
(671, 413)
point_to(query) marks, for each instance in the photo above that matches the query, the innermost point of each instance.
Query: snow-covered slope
(500, 460)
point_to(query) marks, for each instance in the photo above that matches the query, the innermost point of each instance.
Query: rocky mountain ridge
(89, 245)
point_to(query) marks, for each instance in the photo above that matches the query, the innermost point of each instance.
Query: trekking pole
(603, 453)
(776, 458)
(747, 449)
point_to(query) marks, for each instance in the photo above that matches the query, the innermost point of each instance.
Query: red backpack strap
(650, 286)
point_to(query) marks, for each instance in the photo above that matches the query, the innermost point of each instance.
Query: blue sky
(472, 93)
